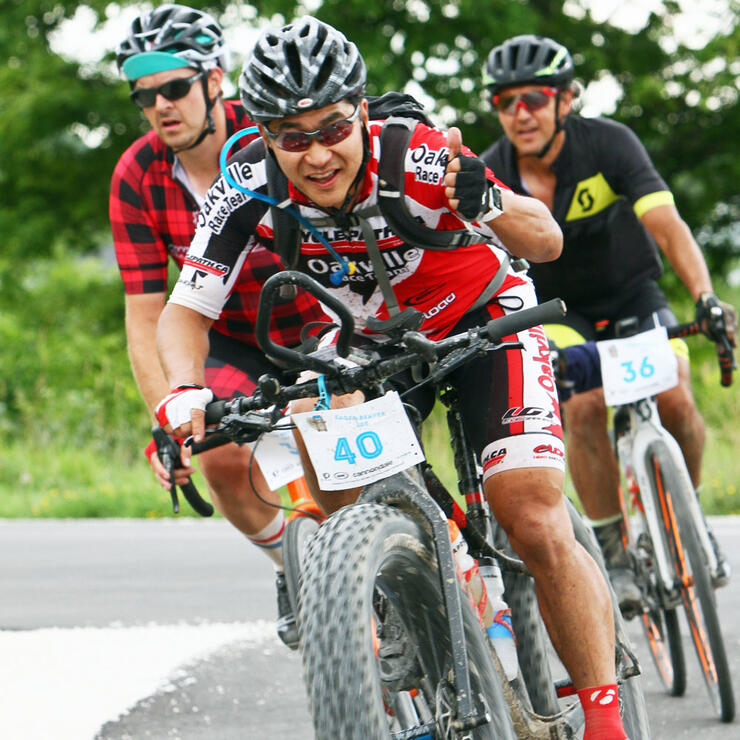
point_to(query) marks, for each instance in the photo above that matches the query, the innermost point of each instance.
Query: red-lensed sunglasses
(532, 100)
(329, 135)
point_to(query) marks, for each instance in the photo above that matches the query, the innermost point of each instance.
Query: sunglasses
(145, 97)
(532, 100)
(329, 135)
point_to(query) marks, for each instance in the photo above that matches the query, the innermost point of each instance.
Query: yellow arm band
(652, 200)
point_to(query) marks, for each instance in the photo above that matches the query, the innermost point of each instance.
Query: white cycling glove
(175, 408)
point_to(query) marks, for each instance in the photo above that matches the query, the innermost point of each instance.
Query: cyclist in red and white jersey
(304, 85)
(174, 59)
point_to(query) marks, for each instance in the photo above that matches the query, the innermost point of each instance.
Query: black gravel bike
(381, 571)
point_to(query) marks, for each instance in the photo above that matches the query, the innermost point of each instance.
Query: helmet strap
(558, 128)
(209, 125)
(342, 212)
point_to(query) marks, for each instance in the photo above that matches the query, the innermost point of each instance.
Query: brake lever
(168, 452)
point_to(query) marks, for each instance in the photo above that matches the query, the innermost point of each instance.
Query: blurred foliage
(63, 124)
(64, 376)
(74, 426)
(680, 101)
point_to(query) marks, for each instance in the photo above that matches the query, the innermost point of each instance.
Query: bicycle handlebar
(243, 418)
(264, 312)
(578, 366)
(168, 452)
(725, 354)
(240, 418)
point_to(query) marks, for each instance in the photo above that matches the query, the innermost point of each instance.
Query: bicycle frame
(637, 426)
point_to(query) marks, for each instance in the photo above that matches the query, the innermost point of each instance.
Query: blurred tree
(63, 124)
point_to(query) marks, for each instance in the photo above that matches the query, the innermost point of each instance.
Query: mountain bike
(665, 531)
(381, 572)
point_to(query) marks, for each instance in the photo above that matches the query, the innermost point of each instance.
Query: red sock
(601, 709)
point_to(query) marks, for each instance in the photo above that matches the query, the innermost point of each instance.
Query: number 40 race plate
(361, 444)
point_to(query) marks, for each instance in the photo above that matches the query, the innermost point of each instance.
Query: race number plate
(361, 444)
(637, 367)
(277, 455)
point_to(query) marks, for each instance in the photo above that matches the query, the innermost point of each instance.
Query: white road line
(66, 683)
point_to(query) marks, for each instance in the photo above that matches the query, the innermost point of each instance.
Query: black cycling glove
(716, 318)
(478, 198)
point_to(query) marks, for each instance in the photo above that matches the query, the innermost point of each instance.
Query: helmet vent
(321, 35)
(264, 59)
(324, 73)
(293, 59)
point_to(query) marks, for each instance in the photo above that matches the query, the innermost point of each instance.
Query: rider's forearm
(527, 228)
(182, 343)
(141, 338)
(676, 241)
(688, 262)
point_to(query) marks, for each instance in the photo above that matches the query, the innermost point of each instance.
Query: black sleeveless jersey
(605, 181)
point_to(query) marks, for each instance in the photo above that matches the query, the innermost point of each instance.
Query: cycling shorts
(646, 301)
(507, 398)
(233, 368)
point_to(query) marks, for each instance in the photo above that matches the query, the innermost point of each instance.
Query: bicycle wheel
(664, 640)
(692, 573)
(659, 623)
(632, 705)
(297, 533)
(364, 554)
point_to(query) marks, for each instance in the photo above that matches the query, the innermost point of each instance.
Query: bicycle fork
(633, 449)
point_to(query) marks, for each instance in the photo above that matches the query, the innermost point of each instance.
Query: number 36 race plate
(361, 444)
(637, 367)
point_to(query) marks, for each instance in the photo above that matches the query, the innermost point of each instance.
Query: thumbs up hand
(467, 188)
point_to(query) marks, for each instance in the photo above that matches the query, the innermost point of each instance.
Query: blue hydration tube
(345, 266)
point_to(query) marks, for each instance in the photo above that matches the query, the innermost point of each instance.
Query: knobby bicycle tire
(297, 533)
(363, 550)
(632, 705)
(692, 569)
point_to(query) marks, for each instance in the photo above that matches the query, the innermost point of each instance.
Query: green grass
(73, 426)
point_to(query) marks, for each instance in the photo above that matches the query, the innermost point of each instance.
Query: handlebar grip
(215, 411)
(213, 440)
(513, 323)
(727, 363)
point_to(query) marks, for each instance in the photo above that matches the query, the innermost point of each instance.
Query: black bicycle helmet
(528, 60)
(168, 37)
(300, 67)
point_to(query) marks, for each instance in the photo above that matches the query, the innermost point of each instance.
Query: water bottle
(470, 577)
(500, 631)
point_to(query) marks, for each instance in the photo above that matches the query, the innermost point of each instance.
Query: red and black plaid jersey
(153, 217)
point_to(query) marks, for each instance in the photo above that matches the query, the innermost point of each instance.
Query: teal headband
(151, 62)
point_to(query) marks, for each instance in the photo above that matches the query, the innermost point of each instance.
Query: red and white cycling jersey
(441, 284)
(508, 399)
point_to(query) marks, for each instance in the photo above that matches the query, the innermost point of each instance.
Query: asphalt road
(194, 601)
